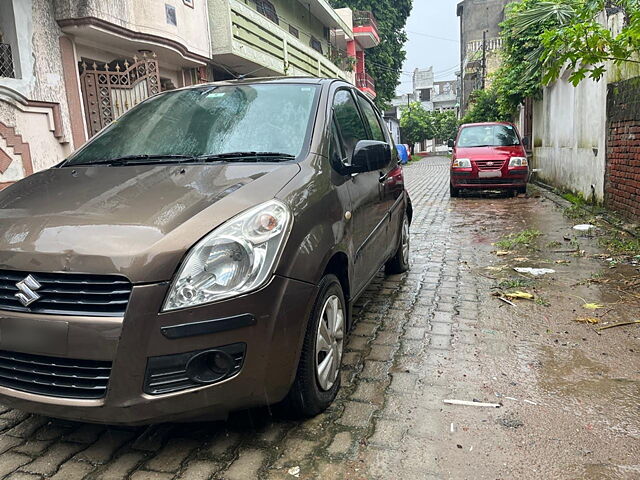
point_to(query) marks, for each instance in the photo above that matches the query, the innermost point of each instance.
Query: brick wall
(622, 182)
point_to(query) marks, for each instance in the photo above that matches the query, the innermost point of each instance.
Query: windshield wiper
(245, 156)
(134, 160)
(220, 157)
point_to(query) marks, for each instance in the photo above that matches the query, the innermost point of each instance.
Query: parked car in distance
(489, 156)
(200, 255)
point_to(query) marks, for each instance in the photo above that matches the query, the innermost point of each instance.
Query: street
(567, 394)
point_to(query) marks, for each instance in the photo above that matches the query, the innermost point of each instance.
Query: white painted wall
(569, 137)
(569, 130)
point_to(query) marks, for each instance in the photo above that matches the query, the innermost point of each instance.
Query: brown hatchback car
(200, 255)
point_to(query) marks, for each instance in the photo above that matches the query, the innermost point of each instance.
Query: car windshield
(208, 121)
(488, 136)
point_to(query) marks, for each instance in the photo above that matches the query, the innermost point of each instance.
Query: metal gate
(108, 91)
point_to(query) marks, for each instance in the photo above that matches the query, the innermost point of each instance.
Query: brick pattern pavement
(385, 412)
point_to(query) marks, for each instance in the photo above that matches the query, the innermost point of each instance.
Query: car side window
(372, 119)
(349, 122)
(336, 155)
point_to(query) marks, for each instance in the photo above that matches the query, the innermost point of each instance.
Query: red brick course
(622, 186)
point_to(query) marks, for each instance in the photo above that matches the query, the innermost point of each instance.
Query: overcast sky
(429, 19)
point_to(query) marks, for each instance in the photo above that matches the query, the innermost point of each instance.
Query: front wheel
(318, 377)
(399, 263)
(453, 192)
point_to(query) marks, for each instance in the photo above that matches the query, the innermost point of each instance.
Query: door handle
(383, 177)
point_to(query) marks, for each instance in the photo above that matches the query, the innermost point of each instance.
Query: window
(9, 51)
(335, 150)
(266, 8)
(425, 95)
(294, 31)
(488, 136)
(170, 13)
(6, 60)
(349, 121)
(210, 120)
(315, 44)
(372, 119)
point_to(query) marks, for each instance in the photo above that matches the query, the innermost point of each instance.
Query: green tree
(384, 62)
(445, 125)
(485, 108)
(543, 37)
(416, 124)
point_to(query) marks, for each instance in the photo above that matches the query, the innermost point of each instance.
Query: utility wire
(433, 36)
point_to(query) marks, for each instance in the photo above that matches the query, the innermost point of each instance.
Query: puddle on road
(606, 472)
(572, 379)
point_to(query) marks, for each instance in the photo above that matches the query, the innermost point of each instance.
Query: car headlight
(462, 163)
(235, 258)
(518, 162)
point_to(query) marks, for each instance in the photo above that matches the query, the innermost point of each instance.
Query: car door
(368, 216)
(390, 179)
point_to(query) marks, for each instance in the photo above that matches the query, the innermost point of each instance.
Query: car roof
(480, 124)
(269, 80)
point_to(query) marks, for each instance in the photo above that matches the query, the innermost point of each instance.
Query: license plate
(490, 174)
(34, 336)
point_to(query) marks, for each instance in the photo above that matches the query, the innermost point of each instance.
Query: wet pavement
(568, 394)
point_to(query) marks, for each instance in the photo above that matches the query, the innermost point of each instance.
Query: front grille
(489, 164)
(493, 181)
(168, 373)
(55, 377)
(68, 293)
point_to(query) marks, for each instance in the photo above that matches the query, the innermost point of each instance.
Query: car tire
(399, 263)
(454, 192)
(313, 391)
(521, 190)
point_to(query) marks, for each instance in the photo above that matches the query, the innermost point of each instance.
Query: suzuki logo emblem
(27, 294)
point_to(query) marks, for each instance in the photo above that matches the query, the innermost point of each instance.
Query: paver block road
(569, 396)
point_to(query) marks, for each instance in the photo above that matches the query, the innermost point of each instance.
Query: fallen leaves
(589, 320)
(519, 294)
(592, 306)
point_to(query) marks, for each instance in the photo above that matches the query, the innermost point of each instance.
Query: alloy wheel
(329, 343)
(405, 240)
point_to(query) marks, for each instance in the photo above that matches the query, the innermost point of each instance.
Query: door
(390, 178)
(368, 215)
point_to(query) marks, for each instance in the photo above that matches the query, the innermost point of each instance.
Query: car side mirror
(525, 142)
(370, 155)
(451, 144)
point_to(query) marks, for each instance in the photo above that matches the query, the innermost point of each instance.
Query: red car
(489, 156)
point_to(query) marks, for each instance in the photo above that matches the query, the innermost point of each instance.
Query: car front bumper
(272, 343)
(511, 178)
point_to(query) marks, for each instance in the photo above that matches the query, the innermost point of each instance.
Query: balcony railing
(257, 39)
(6, 61)
(365, 81)
(363, 18)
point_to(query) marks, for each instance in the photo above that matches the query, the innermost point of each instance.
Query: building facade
(445, 96)
(69, 68)
(480, 44)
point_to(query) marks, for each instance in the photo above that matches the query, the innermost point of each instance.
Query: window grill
(266, 8)
(6, 61)
(315, 44)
